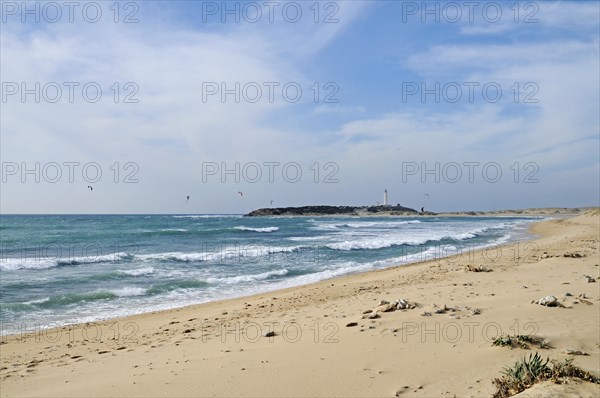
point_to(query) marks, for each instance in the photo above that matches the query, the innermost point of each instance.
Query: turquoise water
(77, 268)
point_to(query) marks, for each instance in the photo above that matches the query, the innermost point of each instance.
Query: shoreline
(371, 358)
(68, 326)
(521, 237)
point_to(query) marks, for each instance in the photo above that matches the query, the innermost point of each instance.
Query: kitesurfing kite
(271, 203)
(187, 199)
(91, 189)
(427, 194)
(240, 193)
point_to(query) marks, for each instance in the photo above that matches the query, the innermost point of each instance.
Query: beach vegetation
(533, 369)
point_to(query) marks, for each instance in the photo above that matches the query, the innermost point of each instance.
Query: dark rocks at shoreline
(332, 211)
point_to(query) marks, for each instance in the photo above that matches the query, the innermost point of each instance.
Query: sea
(65, 269)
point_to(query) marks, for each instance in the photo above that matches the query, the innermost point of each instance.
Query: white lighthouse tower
(385, 198)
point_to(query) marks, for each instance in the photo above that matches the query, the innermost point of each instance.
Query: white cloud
(171, 131)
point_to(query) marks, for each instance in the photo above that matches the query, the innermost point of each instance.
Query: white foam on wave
(138, 271)
(377, 243)
(328, 226)
(174, 230)
(39, 301)
(94, 259)
(325, 227)
(352, 267)
(13, 264)
(265, 229)
(128, 291)
(220, 255)
(307, 238)
(233, 280)
(379, 224)
(408, 237)
(501, 240)
(346, 268)
(470, 234)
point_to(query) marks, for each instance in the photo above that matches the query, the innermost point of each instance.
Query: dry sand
(219, 349)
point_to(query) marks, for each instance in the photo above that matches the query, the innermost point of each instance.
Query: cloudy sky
(130, 109)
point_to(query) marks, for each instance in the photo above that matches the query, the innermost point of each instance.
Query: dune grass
(534, 369)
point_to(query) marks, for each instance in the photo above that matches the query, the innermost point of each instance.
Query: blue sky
(545, 142)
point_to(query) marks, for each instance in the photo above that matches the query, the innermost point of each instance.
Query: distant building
(385, 198)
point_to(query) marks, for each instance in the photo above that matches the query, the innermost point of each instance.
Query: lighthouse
(385, 198)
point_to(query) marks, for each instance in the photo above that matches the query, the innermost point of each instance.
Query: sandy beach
(323, 344)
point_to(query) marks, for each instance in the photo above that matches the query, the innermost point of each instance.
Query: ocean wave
(76, 298)
(266, 229)
(372, 244)
(95, 259)
(14, 264)
(501, 240)
(352, 267)
(38, 301)
(128, 291)
(233, 280)
(307, 238)
(220, 255)
(328, 226)
(138, 271)
(325, 227)
(174, 285)
(113, 294)
(414, 239)
(346, 268)
(378, 224)
(175, 270)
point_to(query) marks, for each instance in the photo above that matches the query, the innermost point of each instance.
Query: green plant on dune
(532, 340)
(528, 370)
(567, 369)
(503, 341)
(534, 369)
(522, 341)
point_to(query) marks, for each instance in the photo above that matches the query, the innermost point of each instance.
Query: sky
(131, 107)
